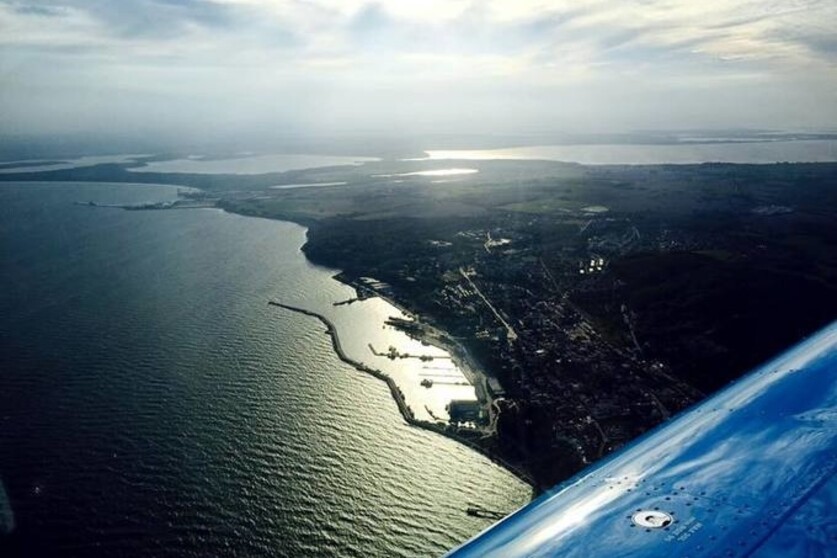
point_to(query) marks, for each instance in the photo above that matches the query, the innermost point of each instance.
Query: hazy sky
(225, 66)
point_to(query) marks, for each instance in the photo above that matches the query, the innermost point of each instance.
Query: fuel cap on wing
(652, 519)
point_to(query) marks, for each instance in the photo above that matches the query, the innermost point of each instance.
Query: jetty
(406, 412)
(362, 291)
(392, 354)
(479, 511)
(397, 394)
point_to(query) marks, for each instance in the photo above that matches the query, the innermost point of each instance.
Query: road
(511, 334)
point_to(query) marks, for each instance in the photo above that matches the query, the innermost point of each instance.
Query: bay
(153, 404)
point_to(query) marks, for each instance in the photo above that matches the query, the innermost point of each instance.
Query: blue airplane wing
(749, 472)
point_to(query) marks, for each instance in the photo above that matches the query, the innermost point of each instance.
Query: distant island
(598, 300)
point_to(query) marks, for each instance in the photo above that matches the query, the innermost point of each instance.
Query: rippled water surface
(152, 404)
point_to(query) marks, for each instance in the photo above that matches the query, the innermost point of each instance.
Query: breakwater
(400, 401)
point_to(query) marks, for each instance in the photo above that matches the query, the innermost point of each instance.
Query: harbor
(466, 436)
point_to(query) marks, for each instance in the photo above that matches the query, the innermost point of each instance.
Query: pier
(479, 511)
(363, 293)
(392, 354)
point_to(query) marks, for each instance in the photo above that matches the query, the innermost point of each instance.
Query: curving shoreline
(398, 396)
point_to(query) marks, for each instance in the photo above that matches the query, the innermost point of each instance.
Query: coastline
(403, 408)
(459, 356)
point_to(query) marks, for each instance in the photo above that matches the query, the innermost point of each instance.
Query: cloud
(350, 29)
(29, 9)
(126, 17)
(347, 60)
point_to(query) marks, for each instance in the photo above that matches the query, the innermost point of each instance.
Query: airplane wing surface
(748, 472)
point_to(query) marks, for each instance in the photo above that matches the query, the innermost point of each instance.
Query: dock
(392, 354)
